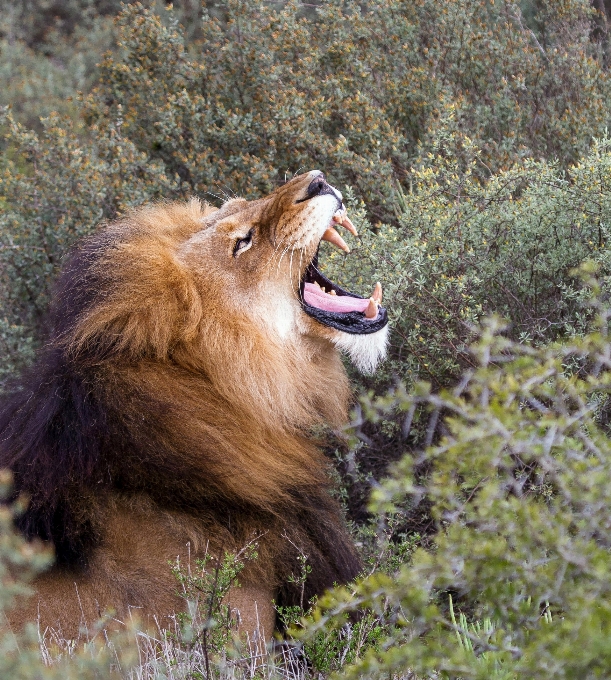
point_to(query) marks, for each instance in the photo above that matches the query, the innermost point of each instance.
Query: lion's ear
(205, 210)
(145, 305)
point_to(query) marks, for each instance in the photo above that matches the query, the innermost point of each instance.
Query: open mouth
(333, 306)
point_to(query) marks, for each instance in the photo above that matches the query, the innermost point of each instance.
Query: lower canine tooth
(372, 310)
(377, 293)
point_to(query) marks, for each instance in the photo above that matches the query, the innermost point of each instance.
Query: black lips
(355, 323)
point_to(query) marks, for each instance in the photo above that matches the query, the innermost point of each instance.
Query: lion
(169, 414)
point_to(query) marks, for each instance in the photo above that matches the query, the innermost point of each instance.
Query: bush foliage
(435, 114)
(351, 89)
(519, 489)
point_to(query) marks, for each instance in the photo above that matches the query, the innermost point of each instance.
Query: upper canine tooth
(349, 226)
(333, 237)
(377, 293)
(340, 217)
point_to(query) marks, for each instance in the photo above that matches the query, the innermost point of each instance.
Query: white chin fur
(365, 351)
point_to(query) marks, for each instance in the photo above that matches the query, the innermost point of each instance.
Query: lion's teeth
(377, 293)
(333, 237)
(333, 292)
(349, 226)
(341, 218)
(372, 309)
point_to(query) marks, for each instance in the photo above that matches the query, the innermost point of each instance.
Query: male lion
(191, 351)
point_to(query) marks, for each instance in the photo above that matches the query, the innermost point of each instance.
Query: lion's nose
(319, 187)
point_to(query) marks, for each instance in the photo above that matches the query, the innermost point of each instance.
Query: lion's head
(234, 292)
(262, 259)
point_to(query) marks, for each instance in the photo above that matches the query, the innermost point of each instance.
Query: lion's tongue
(315, 297)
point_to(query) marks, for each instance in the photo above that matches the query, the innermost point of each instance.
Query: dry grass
(138, 655)
(163, 654)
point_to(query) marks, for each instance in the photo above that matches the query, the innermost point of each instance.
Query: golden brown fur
(172, 407)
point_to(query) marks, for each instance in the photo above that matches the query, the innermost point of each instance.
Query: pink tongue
(315, 297)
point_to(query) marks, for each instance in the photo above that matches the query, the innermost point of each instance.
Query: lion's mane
(147, 389)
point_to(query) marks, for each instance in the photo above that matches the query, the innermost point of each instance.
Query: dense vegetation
(470, 138)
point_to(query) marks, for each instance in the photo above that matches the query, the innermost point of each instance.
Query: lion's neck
(295, 382)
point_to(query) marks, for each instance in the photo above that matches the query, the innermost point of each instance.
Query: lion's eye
(242, 244)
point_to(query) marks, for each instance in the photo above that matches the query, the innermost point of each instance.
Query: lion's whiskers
(220, 198)
(275, 251)
(281, 256)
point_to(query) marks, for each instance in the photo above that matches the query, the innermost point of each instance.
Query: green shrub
(48, 53)
(463, 249)
(40, 22)
(519, 487)
(351, 89)
(49, 50)
(451, 127)
(207, 629)
(418, 133)
(363, 92)
(35, 86)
